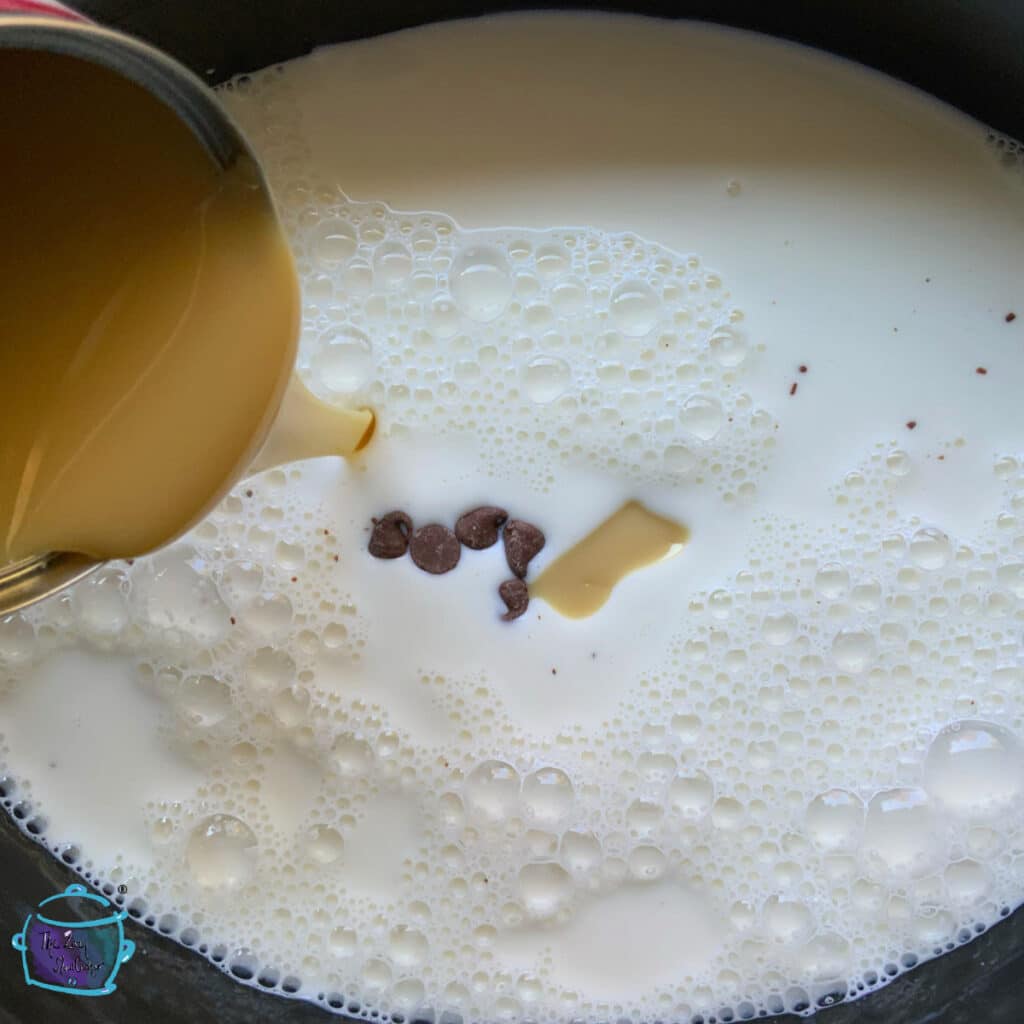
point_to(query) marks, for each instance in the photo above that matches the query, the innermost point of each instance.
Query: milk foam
(772, 772)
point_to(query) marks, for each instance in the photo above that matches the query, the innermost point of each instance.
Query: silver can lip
(34, 579)
(25, 582)
(160, 75)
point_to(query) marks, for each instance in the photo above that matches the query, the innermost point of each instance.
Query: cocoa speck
(522, 541)
(435, 549)
(390, 537)
(478, 528)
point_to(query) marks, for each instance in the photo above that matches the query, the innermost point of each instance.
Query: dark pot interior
(968, 53)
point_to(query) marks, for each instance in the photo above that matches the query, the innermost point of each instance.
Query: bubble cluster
(428, 343)
(617, 353)
(826, 761)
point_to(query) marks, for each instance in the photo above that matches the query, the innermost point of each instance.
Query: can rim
(158, 73)
(30, 580)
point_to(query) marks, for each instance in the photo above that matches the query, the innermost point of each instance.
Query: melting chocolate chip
(522, 541)
(390, 537)
(435, 549)
(516, 596)
(478, 529)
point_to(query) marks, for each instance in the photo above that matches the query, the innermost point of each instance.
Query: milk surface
(751, 286)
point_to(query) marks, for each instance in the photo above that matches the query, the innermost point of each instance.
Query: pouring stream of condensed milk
(150, 315)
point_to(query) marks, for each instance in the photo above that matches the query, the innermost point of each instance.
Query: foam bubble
(343, 359)
(325, 844)
(547, 795)
(334, 243)
(975, 769)
(546, 378)
(221, 852)
(853, 650)
(692, 795)
(634, 308)
(835, 820)
(481, 283)
(492, 790)
(205, 698)
(902, 834)
(544, 888)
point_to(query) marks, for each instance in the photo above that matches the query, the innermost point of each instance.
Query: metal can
(50, 26)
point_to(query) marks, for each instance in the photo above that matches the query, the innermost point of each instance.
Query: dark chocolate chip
(435, 549)
(522, 541)
(478, 529)
(516, 596)
(390, 537)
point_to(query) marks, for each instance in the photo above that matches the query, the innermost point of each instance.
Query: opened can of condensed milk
(151, 306)
(149, 295)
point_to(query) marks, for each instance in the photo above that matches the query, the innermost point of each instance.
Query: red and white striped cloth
(40, 7)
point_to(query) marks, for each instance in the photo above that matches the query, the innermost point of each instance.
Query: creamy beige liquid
(307, 427)
(582, 580)
(149, 314)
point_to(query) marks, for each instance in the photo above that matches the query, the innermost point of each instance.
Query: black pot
(968, 52)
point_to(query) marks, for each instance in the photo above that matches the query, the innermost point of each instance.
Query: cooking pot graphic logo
(74, 942)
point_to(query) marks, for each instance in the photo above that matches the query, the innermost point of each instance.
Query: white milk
(773, 772)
